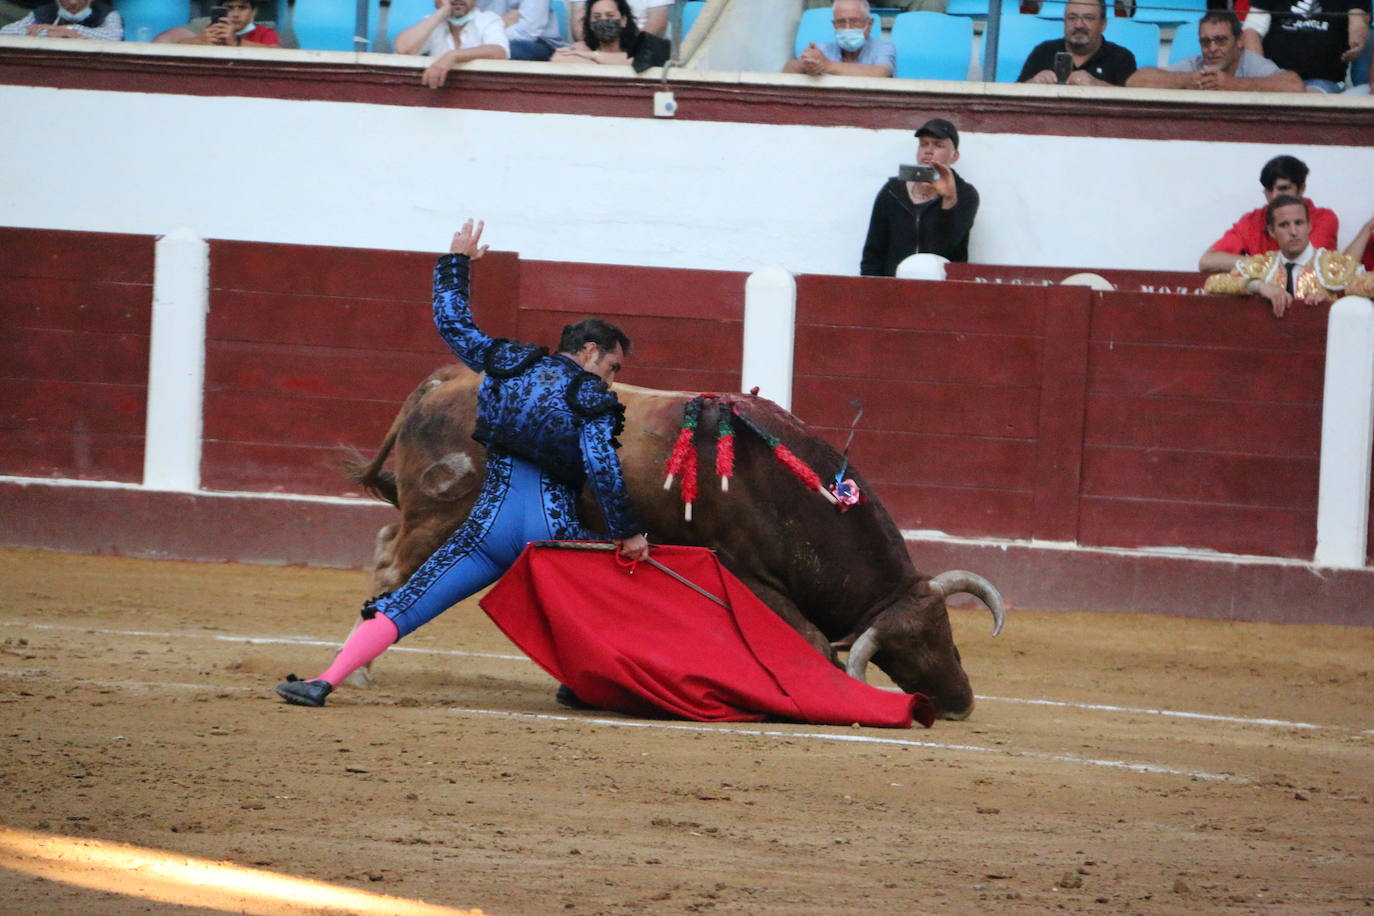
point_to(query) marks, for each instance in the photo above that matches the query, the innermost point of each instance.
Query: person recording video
(926, 208)
(230, 23)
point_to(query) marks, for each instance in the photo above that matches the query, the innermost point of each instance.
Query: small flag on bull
(725, 446)
(683, 460)
(788, 459)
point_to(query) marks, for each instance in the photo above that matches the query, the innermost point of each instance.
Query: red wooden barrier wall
(1053, 413)
(311, 349)
(76, 310)
(969, 396)
(1203, 425)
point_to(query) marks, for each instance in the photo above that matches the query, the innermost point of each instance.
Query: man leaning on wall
(1296, 271)
(94, 19)
(456, 32)
(1224, 64)
(854, 52)
(1282, 175)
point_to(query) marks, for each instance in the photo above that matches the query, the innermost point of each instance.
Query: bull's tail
(370, 475)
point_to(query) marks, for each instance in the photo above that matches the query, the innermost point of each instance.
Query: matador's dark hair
(593, 330)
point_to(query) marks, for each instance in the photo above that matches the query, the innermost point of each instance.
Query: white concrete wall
(673, 193)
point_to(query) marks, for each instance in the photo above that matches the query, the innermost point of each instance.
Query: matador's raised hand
(468, 240)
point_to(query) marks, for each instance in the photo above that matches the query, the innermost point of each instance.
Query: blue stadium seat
(1140, 38)
(144, 20)
(404, 14)
(690, 11)
(1170, 12)
(560, 12)
(1185, 43)
(978, 9)
(1020, 34)
(932, 46)
(329, 25)
(818, 25)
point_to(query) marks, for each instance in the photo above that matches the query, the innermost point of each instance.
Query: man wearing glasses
(1093, 61)
(1224, 64)
(853, 52)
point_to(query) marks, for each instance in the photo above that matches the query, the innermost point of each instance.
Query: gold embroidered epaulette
(1334, 270)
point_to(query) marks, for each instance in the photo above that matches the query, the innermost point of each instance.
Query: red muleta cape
(644, 644)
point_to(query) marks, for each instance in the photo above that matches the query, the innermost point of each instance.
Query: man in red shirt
(1282, 175)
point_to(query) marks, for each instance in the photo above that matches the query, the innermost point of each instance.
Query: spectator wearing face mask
(649, 16)
(611, 37)
(854, 52)
(456, 32)
(70, 19)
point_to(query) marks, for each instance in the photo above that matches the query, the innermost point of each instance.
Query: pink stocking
(369, 640)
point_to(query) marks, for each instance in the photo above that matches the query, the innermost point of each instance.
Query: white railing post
(1347, 433)
(176, 362)
(770, 318)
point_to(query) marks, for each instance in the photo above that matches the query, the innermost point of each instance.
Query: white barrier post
(1347, 433)
(176, 362)
(770, 318)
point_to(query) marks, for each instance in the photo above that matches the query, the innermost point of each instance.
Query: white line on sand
(709, 729)
(844, 736)
(460, 653)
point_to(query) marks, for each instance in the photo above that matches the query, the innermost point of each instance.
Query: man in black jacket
(933, 217)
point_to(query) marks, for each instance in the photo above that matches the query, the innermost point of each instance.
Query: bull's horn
(860, 653)
(955, 581)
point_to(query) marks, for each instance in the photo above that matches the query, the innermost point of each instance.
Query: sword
(605, 545)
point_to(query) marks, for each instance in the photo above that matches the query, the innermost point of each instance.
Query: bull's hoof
(304, 693)
(566, 697)
(360, 678)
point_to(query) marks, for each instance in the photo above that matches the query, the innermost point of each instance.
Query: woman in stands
(610, 36)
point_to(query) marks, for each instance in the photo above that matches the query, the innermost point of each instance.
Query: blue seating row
(321, 25)
(939, 46)
(1159, 12)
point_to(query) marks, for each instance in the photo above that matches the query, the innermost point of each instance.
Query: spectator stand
(144, 20)
(1184, 44)
(1019, 34)
(335, 25)
(932, 46)
(560, 14)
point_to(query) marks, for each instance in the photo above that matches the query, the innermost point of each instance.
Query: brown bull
(837, 578)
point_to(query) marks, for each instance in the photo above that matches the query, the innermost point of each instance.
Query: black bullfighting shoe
(304, 693)
(565, 697)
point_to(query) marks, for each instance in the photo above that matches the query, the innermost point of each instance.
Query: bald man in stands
(1224, 64)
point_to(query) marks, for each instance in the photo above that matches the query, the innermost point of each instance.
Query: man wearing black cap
(933, 217)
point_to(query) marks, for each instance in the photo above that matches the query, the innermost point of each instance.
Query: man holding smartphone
(231, 23)
(926, 208)
(1091, 60)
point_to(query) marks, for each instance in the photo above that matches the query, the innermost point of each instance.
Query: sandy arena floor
(1115, 763)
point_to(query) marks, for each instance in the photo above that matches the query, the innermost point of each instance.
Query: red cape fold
(644, 644)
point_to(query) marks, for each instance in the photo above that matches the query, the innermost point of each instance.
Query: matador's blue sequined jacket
(545, 409)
